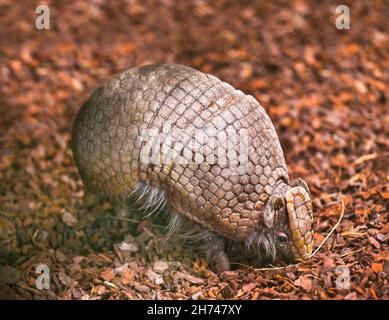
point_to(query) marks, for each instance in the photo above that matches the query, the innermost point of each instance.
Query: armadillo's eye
(282, 237)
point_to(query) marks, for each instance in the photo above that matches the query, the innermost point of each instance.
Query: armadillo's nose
(300, 215)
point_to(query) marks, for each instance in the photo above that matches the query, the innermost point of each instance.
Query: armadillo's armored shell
(114, 125)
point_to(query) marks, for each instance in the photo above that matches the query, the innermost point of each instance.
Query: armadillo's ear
(278, 203)
(269, 213)
(300, 183)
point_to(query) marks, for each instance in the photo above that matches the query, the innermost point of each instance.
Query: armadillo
(149, 133)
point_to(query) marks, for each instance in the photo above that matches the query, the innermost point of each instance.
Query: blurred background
(325, 89)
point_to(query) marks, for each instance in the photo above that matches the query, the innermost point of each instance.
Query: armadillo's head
(288, 217)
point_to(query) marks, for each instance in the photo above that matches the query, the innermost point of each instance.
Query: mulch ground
(326, 91)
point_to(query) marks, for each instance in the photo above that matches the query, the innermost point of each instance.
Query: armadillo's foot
(90, 199)
(120, 209)
(121, 212)
(215, 252)
(222, 263)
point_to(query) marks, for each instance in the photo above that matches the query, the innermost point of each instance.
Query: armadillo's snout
(300, 213)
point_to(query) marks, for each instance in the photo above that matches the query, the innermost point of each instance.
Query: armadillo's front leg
(90, 199)
(120, 209)
(215, 251)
